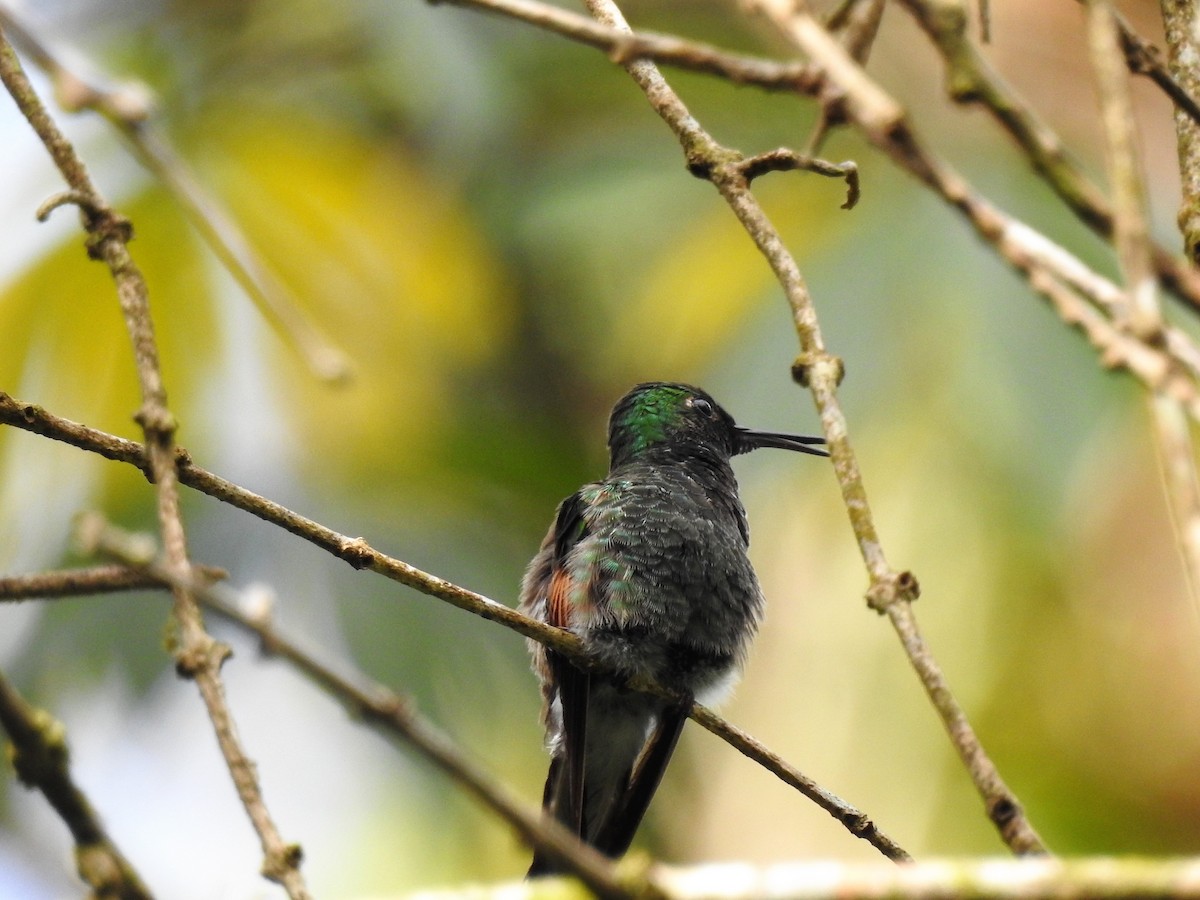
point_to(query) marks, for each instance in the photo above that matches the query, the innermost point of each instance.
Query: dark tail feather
(562, 796)
(574, 690)
(615, 836)
(610, 831)
(556, 803)
(542, 865)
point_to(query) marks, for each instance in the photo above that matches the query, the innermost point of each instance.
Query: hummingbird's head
(677, 420)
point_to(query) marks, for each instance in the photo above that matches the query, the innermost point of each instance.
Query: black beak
(746, 440)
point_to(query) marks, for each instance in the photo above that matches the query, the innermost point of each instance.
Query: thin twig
(197, 656)
(623, 45)
(381, 707)
(85, 582)
(1143, 58)
(970, 79)
(855, 23)
(882, 120)
(892, 592)
(354, 551)
(38, 751)
(787, 160)
(1140, 313)
(854, 820)
(128, 108)
(1000, 803)
(1072, 291)
(361, 555)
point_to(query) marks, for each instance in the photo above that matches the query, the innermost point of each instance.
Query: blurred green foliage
(496, 229)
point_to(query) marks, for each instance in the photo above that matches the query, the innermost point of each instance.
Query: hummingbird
(649, 568)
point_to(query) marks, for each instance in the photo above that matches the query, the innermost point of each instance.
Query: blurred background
(500, 234)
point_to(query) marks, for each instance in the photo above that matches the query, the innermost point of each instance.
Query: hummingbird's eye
(702, 406)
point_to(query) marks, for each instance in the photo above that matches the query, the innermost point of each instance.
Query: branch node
(259, 609)
(634, 874)
(97, 866)
(131, 103)
(894, 587)
(35, 761)
(388, 706)
(282, 861)
(101, 221)
(156, 419)
(104, 225)
(810, 366)
(704, 158)
(205, 655)
(1002, 810)
(357, 552)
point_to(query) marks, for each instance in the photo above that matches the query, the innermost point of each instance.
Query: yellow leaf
(383, 257)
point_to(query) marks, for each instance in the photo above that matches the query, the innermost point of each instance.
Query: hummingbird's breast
(665, 586)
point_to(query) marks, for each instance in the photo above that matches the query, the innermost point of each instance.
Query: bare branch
(354, 551)
(38, 751)
(1143, 58)
(855, 23)
(854, 820)
(394, 713)
(785, 160)
(883, 122)
(84, 582)
(882, 119)
(129, 109)
(970, 79)
(198, 656)
(623, 45)
(1000, 803)
(1140, 313)
(1075, 292)
(358, 553)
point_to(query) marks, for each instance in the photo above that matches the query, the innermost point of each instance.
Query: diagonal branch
(624, 46)
(38, 751)
(198, 656)
(856, 24)
(361, 555)
(1140, 314)
(890, 591)
(1174, 364)
(354, 551)
(1143, 58)
(394, 713)
(129, 110)
(85, 582)
(970, 79)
